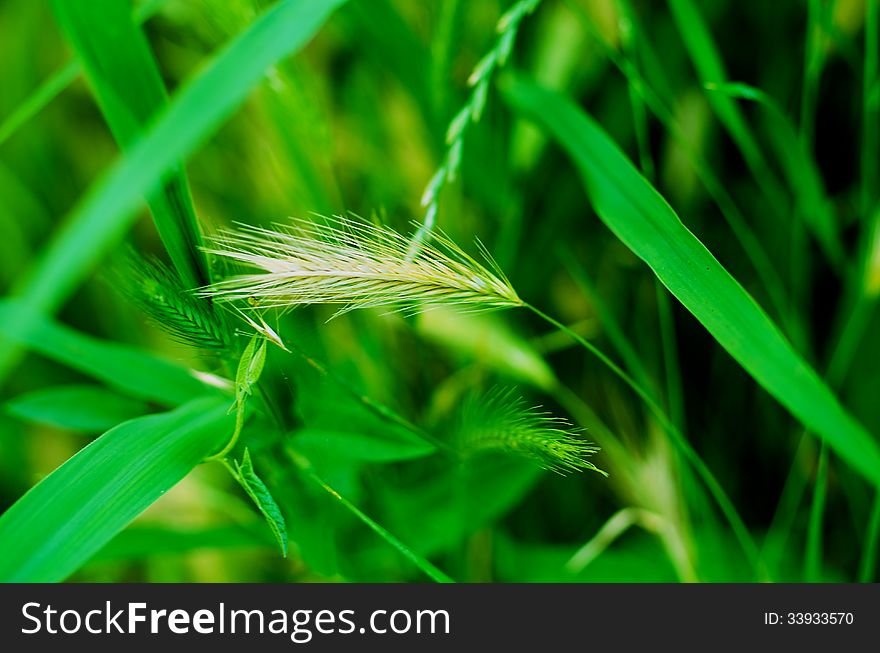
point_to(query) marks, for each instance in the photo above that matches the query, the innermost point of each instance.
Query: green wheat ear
(501, 421)
(159, 292)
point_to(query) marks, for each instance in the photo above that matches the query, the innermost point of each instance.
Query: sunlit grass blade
(202, 104)
(67, 517)
(645, 223)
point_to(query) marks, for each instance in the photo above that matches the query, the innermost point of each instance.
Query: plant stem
(724, 503)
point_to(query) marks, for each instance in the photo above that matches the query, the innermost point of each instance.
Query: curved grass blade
(135, 372)
(640, 217)
(88, 408)
(67, 517)
(105, 214)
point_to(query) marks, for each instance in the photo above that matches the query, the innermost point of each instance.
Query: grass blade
(644, 222)
(871, 109)
(125, 79)
(57, 82)
(67, 517)
(105, 214)
(131, 370)
(710, 69)
(87, 408)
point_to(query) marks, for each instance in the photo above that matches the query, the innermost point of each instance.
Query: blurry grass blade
(482, 338)
(76, 407)
(871, 109)
(38, 99)
(799, 167)
(706, 59)
(316, 443)
(62, 521)
(645, 223)
(123, 73)
(136, 372)
(202, 104)
(57, 82)
(262, 498)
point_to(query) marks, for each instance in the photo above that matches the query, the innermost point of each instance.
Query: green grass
(572, 237)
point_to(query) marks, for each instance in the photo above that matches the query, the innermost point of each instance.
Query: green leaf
(250, 366)
(644, 222)
(200, 107)
(260, 495)
(67, 517)
(131, 370)
(76, 407)
(125, 78)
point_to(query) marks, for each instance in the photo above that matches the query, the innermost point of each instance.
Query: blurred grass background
(356, 122)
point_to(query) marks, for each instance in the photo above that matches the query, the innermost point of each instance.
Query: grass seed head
(355, 265)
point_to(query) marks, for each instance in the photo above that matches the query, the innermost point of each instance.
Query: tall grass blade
(645, 223)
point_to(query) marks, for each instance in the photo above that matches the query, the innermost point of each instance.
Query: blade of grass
(125, 78)
(871, 109)
(868, 564)
(750, 243)
(424, 565)
(58, 82)
(105, 214)
(813, 62)
(67, 517)
(813, 557)
(800, 169)
(706, 59)
(135, 372)
(644, 222)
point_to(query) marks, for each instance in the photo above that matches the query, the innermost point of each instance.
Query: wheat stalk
(357, 265)
(471, 112)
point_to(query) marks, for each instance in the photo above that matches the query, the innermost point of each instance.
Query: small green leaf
(250, 366)
(260, 495)
(76, 407)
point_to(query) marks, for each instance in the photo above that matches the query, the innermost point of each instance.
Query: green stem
(813, 558)
(309, 472)
(724, 503)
